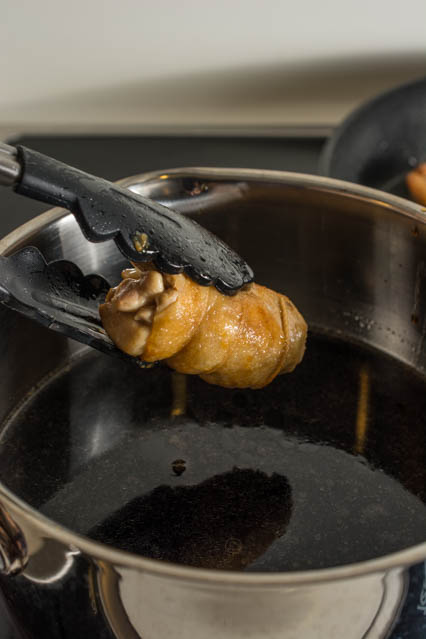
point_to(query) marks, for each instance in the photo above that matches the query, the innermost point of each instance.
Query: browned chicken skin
(416, 183)
(241, 341)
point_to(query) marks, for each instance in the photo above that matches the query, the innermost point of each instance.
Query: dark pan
(381, 141)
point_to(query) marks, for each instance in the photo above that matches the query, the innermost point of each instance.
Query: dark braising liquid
(323, 467)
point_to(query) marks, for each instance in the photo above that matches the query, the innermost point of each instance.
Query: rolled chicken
(243, 341)
(416, 183)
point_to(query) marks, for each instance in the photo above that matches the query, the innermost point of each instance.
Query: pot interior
(324, 467)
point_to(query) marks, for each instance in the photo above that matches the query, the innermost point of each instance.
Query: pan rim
(331, 144)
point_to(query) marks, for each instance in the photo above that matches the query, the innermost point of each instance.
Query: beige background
(98, 64)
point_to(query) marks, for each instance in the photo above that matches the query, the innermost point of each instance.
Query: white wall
(189, 62)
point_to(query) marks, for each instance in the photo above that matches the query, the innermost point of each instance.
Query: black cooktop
(114, 157)
(117, 157)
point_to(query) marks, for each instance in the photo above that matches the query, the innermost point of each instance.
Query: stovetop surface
(114, 157)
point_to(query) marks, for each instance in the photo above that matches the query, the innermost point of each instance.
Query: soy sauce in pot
(324, 467)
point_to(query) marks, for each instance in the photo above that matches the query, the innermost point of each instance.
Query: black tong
(59, 295)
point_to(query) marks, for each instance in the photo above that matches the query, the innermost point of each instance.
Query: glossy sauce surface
(325, 466)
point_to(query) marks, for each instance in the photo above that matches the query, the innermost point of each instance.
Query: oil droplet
(179, 467)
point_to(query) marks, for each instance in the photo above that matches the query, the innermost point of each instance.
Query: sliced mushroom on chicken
(243, 341)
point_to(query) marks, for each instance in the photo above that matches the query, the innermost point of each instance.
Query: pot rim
(81, 543)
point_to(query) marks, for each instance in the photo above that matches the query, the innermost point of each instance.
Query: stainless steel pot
(353, 260)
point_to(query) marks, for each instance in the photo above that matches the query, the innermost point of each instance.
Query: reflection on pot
(224, 522)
